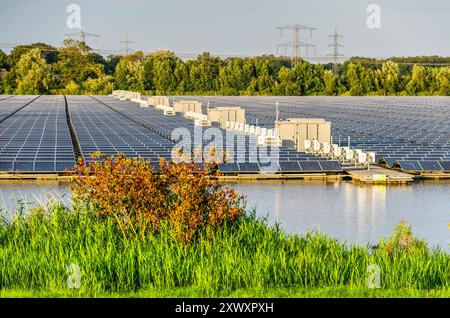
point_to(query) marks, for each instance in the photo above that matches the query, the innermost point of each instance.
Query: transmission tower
(335, 50)
(127, 42)
(82, 34)
(296, 44)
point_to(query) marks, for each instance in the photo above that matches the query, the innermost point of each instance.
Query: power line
(324, 59)
(335, 53)
(295, 44)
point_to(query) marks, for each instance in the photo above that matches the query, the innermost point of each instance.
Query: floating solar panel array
(35, 138)
(412, 133)
(99, 128)
(244, 156)
(11, 104)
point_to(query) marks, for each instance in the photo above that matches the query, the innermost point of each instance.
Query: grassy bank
(246, 258)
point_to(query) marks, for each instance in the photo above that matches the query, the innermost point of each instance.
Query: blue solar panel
(430, 165)
(445, 165)
(390, 161)
(410, 165)
(63, 165)
(330, 165)
(6, 166)
(249, 167)
(44, 166)
(24, 166)
(311, 166)
(289, 166)
(230, 167)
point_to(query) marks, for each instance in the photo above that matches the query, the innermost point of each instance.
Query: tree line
(76, 69)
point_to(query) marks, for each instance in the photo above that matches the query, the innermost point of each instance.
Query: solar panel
(445, 165)
(248, 167)
(311, 166)
(24, 166)
(44, 166)
(289, 166)
(63, 165)
(430, 165)
(230, 167)
(6, 166)
(410, 165)
(330, 166)
(390, 161)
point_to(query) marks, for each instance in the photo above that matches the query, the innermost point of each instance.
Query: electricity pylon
(335, 53)
(126, 42)
(296, 43)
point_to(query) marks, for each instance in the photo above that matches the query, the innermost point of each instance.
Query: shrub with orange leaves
(141, 196)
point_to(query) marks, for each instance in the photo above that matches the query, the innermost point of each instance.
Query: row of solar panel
(282, 166)
(134, 132)
(165, 124)
(150, 118)
(244, 154)
(421, 158)
(399, 148)
(36, 137)
(33, 166)
(36, 156)
(39, 149)
(348, 106)
(99, 128)
(13, 103)
(407, 165)
(402, 130)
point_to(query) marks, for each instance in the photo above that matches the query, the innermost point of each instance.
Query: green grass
(245, 259)
(186, 292)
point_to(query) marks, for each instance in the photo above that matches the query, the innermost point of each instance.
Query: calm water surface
(344, 210)
(352, 212)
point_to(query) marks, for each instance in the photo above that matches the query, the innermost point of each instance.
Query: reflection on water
(15, 195)
(352, 212)
(344, 210)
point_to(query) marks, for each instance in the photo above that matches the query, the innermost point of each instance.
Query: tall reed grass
(36, 250)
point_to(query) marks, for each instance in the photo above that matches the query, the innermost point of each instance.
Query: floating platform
(377, 175)
(433, 176)
(34, 176)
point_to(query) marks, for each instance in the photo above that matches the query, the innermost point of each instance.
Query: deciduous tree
(33, 73)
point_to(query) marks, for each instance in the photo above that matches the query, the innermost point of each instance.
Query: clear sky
(235, 27)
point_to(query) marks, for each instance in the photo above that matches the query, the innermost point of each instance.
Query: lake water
(347, 211)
